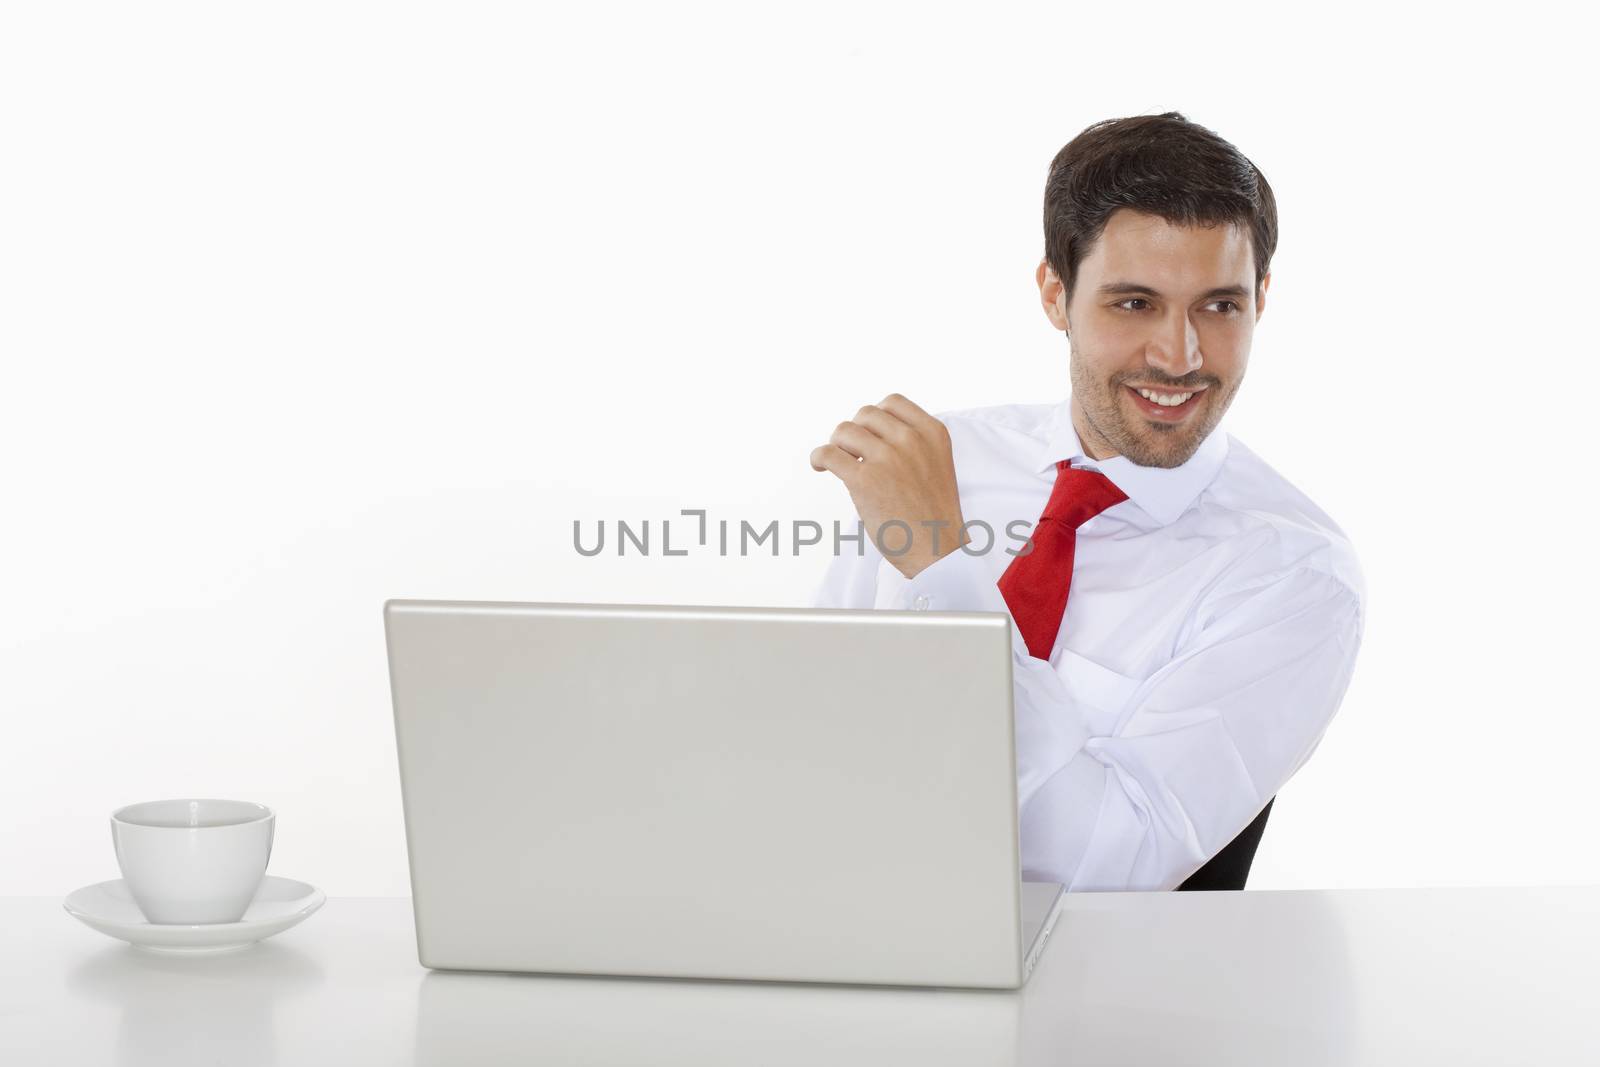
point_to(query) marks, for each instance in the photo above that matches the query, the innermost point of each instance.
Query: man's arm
(851, 580)
(1198, 748)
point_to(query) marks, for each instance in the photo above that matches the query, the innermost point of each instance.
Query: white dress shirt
(1209, 636)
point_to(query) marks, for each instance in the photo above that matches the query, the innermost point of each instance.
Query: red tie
(1035, 586)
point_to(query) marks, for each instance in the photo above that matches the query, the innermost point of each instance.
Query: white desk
(1447, 976)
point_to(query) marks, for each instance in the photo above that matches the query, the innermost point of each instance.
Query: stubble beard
(1144, 441)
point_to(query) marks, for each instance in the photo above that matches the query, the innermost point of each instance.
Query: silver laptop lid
(778, 794)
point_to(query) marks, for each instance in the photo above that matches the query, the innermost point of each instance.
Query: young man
(1185, 620)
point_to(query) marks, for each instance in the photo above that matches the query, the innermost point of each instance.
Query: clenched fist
(895, 460)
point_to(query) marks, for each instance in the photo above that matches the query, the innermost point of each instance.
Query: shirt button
(921, 603)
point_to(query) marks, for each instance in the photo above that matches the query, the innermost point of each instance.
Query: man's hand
(895, 460)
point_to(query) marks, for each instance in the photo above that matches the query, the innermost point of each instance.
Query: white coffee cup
(193, 861)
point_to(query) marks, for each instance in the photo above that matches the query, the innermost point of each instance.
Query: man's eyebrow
(1238, 292)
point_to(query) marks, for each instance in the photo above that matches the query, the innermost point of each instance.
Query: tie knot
(1079, 495)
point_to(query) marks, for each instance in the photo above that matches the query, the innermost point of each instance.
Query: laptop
(764, 794)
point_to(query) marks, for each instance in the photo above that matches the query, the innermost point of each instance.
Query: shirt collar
(1163, 493)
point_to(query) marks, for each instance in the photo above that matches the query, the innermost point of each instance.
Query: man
(1185, 621)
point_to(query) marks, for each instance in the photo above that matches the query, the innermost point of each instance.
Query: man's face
(1159, 312)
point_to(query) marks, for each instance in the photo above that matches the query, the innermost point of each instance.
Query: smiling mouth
(1165, 405)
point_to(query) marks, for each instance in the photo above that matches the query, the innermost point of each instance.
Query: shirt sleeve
(851, 578)
(1198, 748)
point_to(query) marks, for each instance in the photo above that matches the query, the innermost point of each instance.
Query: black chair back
(1229, 868)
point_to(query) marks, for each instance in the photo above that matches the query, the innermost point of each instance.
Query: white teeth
(1166, 400)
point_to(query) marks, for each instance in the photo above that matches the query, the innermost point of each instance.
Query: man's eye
(1228, 307)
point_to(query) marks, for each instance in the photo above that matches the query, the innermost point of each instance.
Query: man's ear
(1051, 293)
(1261, 297)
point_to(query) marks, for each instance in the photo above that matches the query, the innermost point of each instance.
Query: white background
(306, 306)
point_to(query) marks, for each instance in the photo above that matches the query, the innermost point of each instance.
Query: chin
(1151, 443)
(1162, 446)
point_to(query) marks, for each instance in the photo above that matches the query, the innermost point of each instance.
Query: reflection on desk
(1464, 976)
(1155, 965)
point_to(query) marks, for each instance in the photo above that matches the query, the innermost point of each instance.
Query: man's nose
(1175, 351)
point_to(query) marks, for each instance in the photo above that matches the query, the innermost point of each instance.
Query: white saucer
(279, 904)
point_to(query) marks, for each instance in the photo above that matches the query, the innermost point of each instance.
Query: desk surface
(1392, 976)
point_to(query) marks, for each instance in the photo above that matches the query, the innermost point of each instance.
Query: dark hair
(1161, 165)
